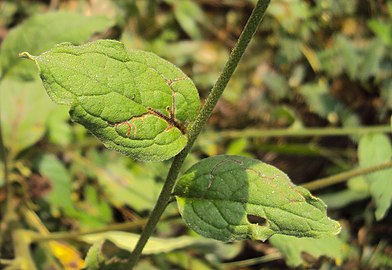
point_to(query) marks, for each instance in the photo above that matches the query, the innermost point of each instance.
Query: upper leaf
(232, 197)
(134, 101)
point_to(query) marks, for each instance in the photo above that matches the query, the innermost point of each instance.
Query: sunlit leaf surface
(133, 101)
(233, 197)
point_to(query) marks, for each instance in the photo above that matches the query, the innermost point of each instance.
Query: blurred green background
(312, 64)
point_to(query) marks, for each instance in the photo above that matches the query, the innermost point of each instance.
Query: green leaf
(382, 29)
(386, 92)
(97, 210)
(188, 14)
(318, 99)
(348, 53)
(292, 248)
(41, 32)
(340, 199)
(290, 14)
(155, 245)
(90, 213)
(238, 147)
(185, 260)
(232, 198)
(94, 256)
(357, 189)
(60, 194)
(277, 85)
(321, 102)
(128, 186)
(373, 55)
(374, 149)
(59, 131)
(133, 101)
(123, 183)
(25, 109)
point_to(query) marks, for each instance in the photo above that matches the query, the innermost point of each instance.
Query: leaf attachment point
(26, 55)
(232, 198)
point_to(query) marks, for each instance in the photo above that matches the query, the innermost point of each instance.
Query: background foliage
(320, 63)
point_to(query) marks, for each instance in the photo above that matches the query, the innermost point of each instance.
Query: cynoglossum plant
(144, 107)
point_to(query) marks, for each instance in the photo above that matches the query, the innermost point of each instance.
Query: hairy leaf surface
(133, 101)
(232, 198)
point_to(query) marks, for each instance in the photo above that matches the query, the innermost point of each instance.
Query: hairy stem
(341, 177)
(328, 131)
(205, 112)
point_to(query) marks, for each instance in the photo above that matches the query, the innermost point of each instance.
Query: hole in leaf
(256, 220)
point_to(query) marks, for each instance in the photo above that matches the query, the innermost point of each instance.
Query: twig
(342, 177)
(305, 132)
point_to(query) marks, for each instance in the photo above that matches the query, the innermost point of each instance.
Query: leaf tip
(338, 227)
(26, 55)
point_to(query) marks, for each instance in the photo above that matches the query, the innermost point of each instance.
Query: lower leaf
(233, 197)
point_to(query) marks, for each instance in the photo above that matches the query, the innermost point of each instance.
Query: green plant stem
(22, 249)
(341, 177)
(328, 131)
(220, 85)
